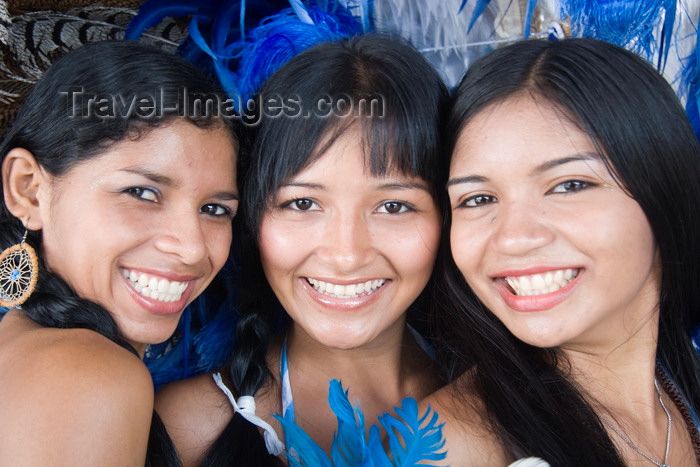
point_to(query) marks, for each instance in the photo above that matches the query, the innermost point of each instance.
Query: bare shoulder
(195, 412)
(468, 438)
(60, 386)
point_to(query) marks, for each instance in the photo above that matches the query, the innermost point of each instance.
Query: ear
(21, 178)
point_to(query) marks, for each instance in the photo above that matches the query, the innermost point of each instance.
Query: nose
(520, 228)
(183, 238)
(346, 243)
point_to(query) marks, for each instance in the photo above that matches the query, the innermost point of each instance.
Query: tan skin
(76, 379)
(342, 233)
(71, 396)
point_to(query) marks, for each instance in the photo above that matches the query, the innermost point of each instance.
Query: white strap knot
(246, 407)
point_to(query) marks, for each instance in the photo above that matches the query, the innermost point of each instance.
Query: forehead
(176, 153)
(519, 130)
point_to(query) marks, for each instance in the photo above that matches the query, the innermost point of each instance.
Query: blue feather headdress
(412, 438)
(244, 44)
(281, 37)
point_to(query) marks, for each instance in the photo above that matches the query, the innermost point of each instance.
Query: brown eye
(478, 200)
(393, 207)
(216, 210)
(145, 193)
(303, 204)
(571, 186)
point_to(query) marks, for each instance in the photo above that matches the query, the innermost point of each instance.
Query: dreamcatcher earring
(19, 269)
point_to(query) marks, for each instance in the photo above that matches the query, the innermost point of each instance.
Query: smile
(540, 284)
(152, 287)
(359, 289)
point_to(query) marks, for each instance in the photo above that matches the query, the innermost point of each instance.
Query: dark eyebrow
(404, 185)
(167, 181)
(470, 179)
(582, 156)
(292, 183)
(154, 177)
(226, 196)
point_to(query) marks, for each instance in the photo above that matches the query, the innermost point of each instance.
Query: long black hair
(381, 84)
(632, 114)
(57, 124)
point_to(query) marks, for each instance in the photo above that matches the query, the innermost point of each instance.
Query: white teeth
(159, 289)
(346, 291)
(540, 284)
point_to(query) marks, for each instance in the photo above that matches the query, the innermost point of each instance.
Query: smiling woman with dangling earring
(106, 240)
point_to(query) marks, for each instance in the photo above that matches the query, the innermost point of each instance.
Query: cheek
(421, 240)
(219, 246)
(621, 235)
(280, 246)
(464, 246)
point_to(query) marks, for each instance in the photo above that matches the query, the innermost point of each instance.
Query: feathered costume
(244, 42)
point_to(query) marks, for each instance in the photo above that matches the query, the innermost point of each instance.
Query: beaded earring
(19, 269)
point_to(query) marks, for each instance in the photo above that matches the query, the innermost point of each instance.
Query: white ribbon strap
(246, 407)
(529, 462)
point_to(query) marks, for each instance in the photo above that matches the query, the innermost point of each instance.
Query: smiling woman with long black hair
(571, 269)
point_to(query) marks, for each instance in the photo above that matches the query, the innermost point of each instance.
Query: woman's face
(143, 228)
(543, 234)
(346, 252)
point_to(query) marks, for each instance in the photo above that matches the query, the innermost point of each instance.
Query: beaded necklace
(677, 398)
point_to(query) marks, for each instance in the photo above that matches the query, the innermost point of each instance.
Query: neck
(619, 382)
(389, 364)
(618, 375)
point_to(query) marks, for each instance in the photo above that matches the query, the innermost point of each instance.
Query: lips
(539, 291)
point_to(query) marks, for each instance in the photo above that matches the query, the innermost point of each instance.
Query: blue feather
(667, 32)
(301, 449)
(412, 439)
(349, 441)
(282, 36)
(418, 439)
(223, 21)
(214, 342)
(478, 10)
(527, 24)
(630, 24)
(461, 7)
